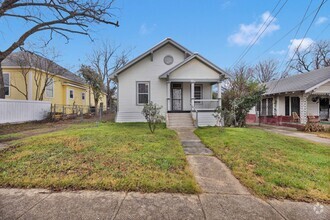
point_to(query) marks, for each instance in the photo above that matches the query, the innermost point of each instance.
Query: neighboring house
(303, 95)
(172, 76)
(28, 72)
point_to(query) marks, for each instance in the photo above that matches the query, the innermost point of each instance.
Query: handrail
(194, 109)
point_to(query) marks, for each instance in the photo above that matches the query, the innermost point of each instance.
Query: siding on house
(145, 70)
(60, 89)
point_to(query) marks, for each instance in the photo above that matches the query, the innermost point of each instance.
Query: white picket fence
(16, 111)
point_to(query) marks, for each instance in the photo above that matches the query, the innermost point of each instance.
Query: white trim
(137, 92)
(316, 86)
(70, 94)
(9, 79)
(72, 85)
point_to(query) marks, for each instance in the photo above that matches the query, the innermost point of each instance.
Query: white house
(172, 76)
(306, 94)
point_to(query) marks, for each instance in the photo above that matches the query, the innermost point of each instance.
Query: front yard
(271, 165)
(105, 156)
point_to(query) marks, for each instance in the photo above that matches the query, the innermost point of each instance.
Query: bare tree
(94, 81)
(314, 57)
(62, 17)
(22, 61)
(44, 69)
(266, 71)
(105, 60)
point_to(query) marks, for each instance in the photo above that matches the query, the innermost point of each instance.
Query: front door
(324, 109)
(177, 97)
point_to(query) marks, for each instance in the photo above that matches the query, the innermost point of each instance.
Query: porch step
(180, 120)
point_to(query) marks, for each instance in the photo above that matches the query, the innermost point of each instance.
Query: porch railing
(205, 104)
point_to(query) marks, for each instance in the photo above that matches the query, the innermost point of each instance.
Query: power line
(310, 25)
(296, 50)
(295, 35)
(258, 35)
(284, 36)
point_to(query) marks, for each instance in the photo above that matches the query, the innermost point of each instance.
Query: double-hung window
(50, 88)
(198, 93)
(143, 93)
(71, 94)
(6, 80)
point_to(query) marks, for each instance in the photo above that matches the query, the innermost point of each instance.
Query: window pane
(287, 105)
(6, 79)
(143, 88)
(143, 99)
(71, 94)
(198, 92)
(7, 90)
(270, 106)
(295, 105)
(49, 88)
(83, 96)
(263, 107)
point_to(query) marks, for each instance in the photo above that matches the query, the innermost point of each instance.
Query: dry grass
(272, 165)
(104, 156)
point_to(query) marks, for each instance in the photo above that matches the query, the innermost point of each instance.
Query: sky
(220, 30)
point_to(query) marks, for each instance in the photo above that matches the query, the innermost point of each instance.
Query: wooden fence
(16, 111)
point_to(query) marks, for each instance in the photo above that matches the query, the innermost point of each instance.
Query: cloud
(321, 20)
(294, 43)
(225, 4)
(248, 32)
(145, 29)
(278, 52)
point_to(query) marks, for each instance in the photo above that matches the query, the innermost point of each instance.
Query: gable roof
(150, 51)
(37, 61)
(299, 83)
(198, 57)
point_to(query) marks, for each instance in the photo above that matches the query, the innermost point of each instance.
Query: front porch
(293, 109)
(200, 98)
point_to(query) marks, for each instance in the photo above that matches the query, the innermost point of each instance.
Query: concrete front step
(180, 120)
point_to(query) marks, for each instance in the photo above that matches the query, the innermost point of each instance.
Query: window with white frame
(6, 80)
(71, 94)
(83, 96)
(198, 92)
(50, 88)
(143, 93)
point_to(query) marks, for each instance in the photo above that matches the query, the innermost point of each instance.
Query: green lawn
(106, 156)
(271, 165)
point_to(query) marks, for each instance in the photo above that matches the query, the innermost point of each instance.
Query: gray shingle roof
(21, 59)
(299, 82)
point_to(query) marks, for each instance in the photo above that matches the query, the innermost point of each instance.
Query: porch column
(192, 93)
(168, 99)
(219, 94)
(303, 109)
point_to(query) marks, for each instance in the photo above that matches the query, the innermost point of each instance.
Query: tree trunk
(2, 83)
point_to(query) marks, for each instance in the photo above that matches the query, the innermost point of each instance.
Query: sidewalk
(223, 197)
(292, 132)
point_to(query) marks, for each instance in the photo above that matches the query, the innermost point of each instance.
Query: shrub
(151, 112)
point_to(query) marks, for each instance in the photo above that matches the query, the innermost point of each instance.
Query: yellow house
(32, 77)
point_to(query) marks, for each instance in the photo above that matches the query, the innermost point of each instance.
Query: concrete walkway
(292, 132)
(223, 197)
